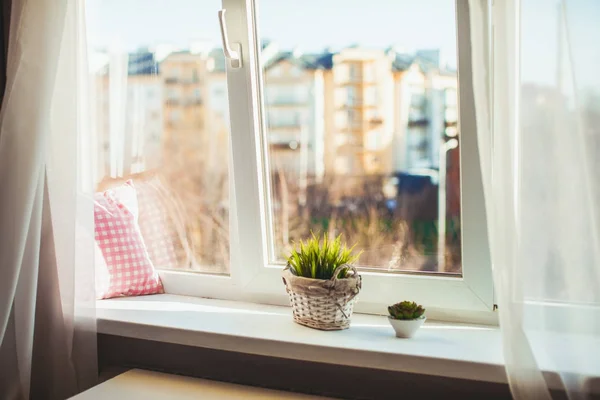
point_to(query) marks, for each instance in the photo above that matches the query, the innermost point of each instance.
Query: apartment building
(425, 110)
(363, 104)
(353, 113)
(298, 100)
(127, 118)
(217, 99)
(183, 109)
(361, 111)
(295, 95)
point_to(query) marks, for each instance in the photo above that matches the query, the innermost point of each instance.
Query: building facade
(127, 117)
(294, 98)
(363, 105)
(356, 112)
(425, 98)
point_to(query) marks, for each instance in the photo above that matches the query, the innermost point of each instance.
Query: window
(373, 142)
(349, 142)
(352, 121)
(353, 68)
(181, 164)
(175, 116)
(172, 94)
(172, 74)
(371, 96)
(351, 97)
(197, 94)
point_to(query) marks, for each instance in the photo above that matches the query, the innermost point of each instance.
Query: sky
(310, 25)
(313, 25)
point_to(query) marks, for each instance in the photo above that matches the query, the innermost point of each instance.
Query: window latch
(234, 52)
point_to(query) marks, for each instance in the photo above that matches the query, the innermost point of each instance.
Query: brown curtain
(4, 24)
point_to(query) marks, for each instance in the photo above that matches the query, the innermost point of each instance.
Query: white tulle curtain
(47, 305)
(537, 96)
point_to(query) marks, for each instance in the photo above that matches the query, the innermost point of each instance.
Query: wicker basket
(323, 304)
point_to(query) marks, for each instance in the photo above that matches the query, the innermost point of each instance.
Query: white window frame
(468, 298)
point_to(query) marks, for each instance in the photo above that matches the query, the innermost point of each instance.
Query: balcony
(355, 72)
(173, 102)
(285, 142)
(192, 103)
(282, 125)
(418, 102)
(416, 123)
(172, 80)
(286, 102)
(190, 81)
(346, 141)
(357, 104)
(286, 146)
(356, 127)
(375, 122)
(417, 117)
(359, 76)
(356, 81)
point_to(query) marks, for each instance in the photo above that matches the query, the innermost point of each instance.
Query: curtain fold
(537, 99)
(47, 305)
(4, 24)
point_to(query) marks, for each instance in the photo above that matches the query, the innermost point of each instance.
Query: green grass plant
(318, 258)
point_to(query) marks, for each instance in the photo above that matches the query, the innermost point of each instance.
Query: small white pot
(406, 328)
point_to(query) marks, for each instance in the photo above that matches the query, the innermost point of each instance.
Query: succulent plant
(406, 310)
(317, 258)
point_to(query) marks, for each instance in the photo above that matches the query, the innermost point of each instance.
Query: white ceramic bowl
(406, 328)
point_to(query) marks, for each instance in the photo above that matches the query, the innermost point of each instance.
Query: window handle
(234, 56)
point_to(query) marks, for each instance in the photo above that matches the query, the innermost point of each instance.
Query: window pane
(160, 118)
(356, 133)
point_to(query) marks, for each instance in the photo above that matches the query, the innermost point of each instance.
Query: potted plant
(406, 318)
(322, 283)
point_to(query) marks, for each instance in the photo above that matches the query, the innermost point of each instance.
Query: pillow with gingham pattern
(117, 233)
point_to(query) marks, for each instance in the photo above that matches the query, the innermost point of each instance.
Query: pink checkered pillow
(157, 224)
(130, 271)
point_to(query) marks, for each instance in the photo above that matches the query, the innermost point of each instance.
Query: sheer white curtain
(539, 130)
(47, 314)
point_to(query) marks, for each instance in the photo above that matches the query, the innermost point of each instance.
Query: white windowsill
(439, 349)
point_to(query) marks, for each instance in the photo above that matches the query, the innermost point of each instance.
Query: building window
(326, 184)
(352, 98)
(197, 97)
(218, 92)
(175, 116)
(353, 72)
(173, 73)
(362, 83)
(172, 95)
(353, 119)
(185, 225)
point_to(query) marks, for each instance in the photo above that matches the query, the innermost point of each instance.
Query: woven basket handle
(336, 272)
(334, 279)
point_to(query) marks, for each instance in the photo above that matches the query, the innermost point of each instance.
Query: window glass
(153, 124)
(380, 88)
